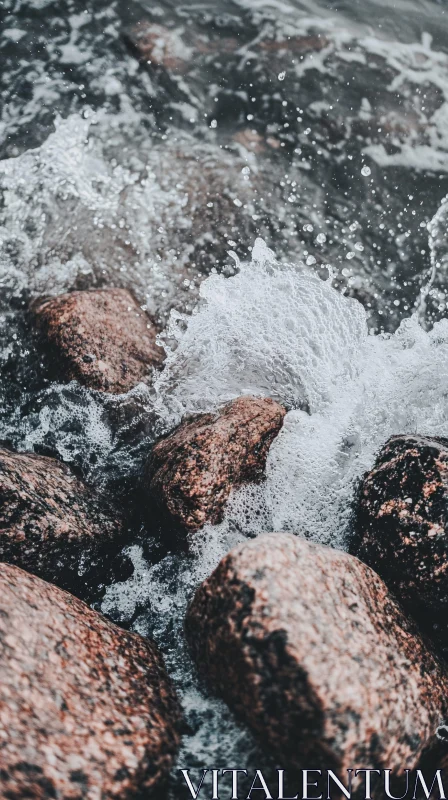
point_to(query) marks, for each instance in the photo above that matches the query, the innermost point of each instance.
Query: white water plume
(277, 330)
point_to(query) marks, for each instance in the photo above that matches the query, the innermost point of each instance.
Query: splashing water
(275, 329)
(86, 209)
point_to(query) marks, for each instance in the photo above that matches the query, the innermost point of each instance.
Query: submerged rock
(192, 471)
(307, 646)
(250, 140)
(157, 45)
(101, 338)
(297, 45)
(86, 709)
(51, 523)
(402, 520)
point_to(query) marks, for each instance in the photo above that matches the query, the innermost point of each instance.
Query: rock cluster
(402, 520)
(308, 646)
(86, 709)
(192, 472)
(101, 338)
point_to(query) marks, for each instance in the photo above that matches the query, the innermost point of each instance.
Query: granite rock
(100, 337)
(86, 709)
(402, 533)
(192, 472)
(309, 648)
(51, 523)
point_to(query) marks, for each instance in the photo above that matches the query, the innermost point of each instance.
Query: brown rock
(273, 142)
(219, 46)
(193, 470)
(157, 45)
(50, 522)
(101, 337)
(86, 709)
(306, 644)
(301, 45)
(250, 139)
(402, 521)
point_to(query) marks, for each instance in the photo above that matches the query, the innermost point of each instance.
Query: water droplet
(366, 171)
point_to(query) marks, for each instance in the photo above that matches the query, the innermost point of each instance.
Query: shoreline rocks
(100, 337)
(51, 523)
(86, 708)
(191, 473)
(401, 522)
(308, 647)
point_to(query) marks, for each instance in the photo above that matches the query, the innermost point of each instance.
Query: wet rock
(250, 140)
(273, 142)
(402, 520)
(219, 46)
(51, 523)
(307, 646)
(299, 45)
(101, 338)
(193, 470)
(159, 46)
(86, 709)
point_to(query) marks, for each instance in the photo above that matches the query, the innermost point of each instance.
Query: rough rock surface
(307, 645)
(193, 470)
(51, 523)
(86, 709)
(101, 338)
(402, 521)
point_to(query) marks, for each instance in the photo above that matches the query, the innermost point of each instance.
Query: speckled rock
(192, 471)
(101, 338)
(307, 646)
(51, 523)
(158, 45)
(86, 709)
(402, 521)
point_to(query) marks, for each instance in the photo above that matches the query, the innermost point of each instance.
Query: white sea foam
(277, 330)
